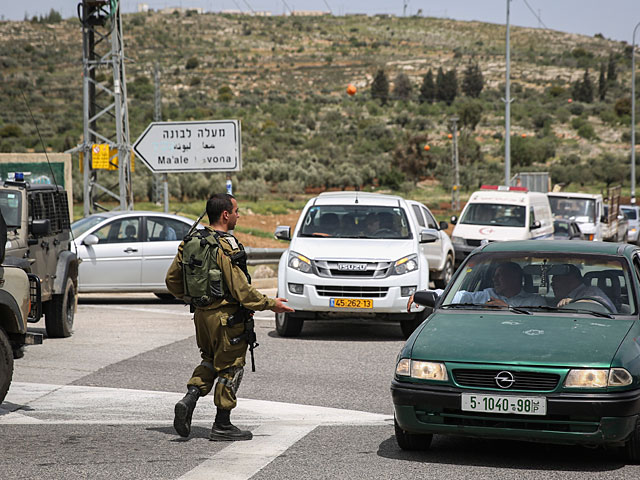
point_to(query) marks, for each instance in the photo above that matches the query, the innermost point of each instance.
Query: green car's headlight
(422, 370)
(598, 378)
(299, 262)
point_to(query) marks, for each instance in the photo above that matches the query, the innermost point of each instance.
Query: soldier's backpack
(203, 279)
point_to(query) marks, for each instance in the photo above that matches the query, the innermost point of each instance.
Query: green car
(531, 340)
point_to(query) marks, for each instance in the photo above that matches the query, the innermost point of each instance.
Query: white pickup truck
(355, 254)
(585, 208)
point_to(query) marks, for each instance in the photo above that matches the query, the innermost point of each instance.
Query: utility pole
(633, 116)
(405, 3)
(507, 112)
(160, 180)
(104, 125)
(455, 190)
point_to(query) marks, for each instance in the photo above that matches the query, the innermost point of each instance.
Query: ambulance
(498, 213)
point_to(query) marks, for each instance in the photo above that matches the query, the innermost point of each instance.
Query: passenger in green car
(506, 291)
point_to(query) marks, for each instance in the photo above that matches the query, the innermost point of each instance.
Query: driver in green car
(568, 287)
(506, 291)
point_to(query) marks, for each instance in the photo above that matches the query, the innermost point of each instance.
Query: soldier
(223, 314)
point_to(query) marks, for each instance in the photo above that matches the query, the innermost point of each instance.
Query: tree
(470, 113)
(609, 169)
(612, 75)
(380, 87)
(402, 87)
(602, 83)
(473, 81)
(583, 90)
(447, 86)
(427, 89)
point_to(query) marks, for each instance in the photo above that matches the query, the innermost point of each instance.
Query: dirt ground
(265, 223)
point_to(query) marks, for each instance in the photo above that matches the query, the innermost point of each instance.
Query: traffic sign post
(179, 147)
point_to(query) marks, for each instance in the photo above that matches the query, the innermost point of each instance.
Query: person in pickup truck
(506, 291)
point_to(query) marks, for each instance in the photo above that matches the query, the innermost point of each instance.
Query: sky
(615, 19)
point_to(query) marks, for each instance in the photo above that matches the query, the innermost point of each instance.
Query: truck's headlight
(598, 378)
(406, 264)
(457, 240)
(422, 370)
(299, 262)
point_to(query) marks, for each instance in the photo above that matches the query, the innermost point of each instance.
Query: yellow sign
(100, 155)
(111, 163)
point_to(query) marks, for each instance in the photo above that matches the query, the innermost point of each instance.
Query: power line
(535, 14)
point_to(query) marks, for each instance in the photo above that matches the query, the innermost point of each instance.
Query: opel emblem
(504, 379)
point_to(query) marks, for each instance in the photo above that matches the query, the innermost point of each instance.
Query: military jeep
(19, 304)
(38, 241)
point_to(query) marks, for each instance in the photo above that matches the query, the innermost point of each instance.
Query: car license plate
(351, 303)
(504, 404)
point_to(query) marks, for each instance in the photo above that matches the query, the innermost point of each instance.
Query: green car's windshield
(11, 206)
(84, 224)
(562, 282)
(356, 221)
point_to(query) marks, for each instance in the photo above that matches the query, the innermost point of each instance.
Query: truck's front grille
(534, 381)
(355, 292)
(353, 269)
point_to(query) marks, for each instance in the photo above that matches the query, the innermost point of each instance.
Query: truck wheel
(632, 446)
(288, 326)
(60, 312)
(447, 273)
(6, 364)
(412, 441)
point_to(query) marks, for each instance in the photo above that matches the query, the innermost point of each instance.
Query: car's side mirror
(429, 236)
(535, 225)
(454, 219)
(283, 232)
(90, 240)
(444, 225)
(41, 227)
(427, 298)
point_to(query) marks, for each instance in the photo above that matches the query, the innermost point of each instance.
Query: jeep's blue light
(18, 177)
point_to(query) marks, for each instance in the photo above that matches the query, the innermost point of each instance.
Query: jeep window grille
(53, 206)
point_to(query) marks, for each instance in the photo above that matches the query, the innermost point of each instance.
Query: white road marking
(280, 425)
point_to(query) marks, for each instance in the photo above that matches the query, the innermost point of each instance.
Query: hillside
(285, 79)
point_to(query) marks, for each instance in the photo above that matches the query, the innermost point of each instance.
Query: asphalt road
(100, 405)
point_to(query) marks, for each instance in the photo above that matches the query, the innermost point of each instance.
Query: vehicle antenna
(44, 149)
(356, 196)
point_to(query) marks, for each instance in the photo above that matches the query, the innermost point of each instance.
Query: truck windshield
(356, 221)
(11, 206)
(495, 214)
(565, 207)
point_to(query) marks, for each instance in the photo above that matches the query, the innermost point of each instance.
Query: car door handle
(130, 250)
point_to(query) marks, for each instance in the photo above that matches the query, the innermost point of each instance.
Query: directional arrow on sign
(208, 146)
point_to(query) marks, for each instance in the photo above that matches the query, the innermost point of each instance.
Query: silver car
(633, 214)
(127, 251)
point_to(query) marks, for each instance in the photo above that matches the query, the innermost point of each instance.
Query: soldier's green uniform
(220, 358)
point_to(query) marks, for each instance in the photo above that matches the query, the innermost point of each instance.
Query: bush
(586, 131)
(192, 63)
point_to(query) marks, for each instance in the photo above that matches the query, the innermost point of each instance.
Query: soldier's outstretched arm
(235, 279)
(280, 306)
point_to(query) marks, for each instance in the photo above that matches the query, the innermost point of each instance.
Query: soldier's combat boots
(184, 410)
(224, 431)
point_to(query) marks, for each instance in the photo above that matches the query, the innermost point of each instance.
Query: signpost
(179, 147)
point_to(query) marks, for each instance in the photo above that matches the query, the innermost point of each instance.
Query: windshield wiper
(484, 305)
(573, 310)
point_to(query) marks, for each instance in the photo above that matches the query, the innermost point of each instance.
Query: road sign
(208, 146)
